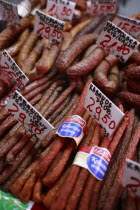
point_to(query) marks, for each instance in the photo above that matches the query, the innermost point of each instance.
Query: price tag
(25, 113)
(117, 42)
(24, 8)
(129, 25)
(103, 110)
(61, 9)
(9, 12)
(48, 27)
(131, 178)
(103, 7)
(9, 66)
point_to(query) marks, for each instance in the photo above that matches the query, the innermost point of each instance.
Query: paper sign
(9, 66)
(9, 12)
(95, 159)
(61, 9)
(103, 7)
(24, 8)
(131, 178)
(73, 127)
(129, 25)
(117, 42)
(25, 113)
(48, 27)
(103, 110)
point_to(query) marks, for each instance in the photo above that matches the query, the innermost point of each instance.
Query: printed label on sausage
(61, 9)
(9, 12)
(129, 25)
(25, 113)
(48, 27)
(117, 42)
(131, 177)
(73, 127)
(103, 110)
(95, 159)
(9, 66)
(103, 7)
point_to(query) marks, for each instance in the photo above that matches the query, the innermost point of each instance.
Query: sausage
(135, 58)
(87, 64)
(100, 73)
(90, 27)
(59, 110)
(67, 40)
(26, 48)
(27, 190)
(30, 61)
(59, 120)
(15, 48)
(116, 188)
(76, 29)
(134, 85)
(11, 31)
(7, 172)
(49, 60)
(50, 178)
(8, 145)
(130, 98)
(133, 72)
(113, 81)
(59, 100)
(16, 148)
(67, 57)
(25, 163)
(113, 166)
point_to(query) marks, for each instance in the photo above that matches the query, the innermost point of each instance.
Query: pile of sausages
(59, 75)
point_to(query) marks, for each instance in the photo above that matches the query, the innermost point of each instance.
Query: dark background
(128, 7)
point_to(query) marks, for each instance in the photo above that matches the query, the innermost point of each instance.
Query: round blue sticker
(97, 166)
(69, 129)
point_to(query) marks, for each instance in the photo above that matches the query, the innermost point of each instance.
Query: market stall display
(50, 171)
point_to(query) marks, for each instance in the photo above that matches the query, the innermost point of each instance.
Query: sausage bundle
(59, 75)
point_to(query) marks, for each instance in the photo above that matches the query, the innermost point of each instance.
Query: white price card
(103, 7)
(61, 9)
(9, 12)
(117, 42)
(24, 8)
(107, 114)
(9, 66)
(131, 177)
(129, 25)
(48, 27)
(25, 113)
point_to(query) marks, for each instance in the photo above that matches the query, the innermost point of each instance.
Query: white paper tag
(95, 159)
(103, 7)
(24, 8)
(129, 25)
(9, 12)
(117, 42)
(73, 127)
(9, 66)
(61, 9)
(25, 113)
(103, 110)
(48, 27)
(131, 177)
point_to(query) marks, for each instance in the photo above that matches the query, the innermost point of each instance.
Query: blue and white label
(98, 161)
(73, 127)
(70, 130)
